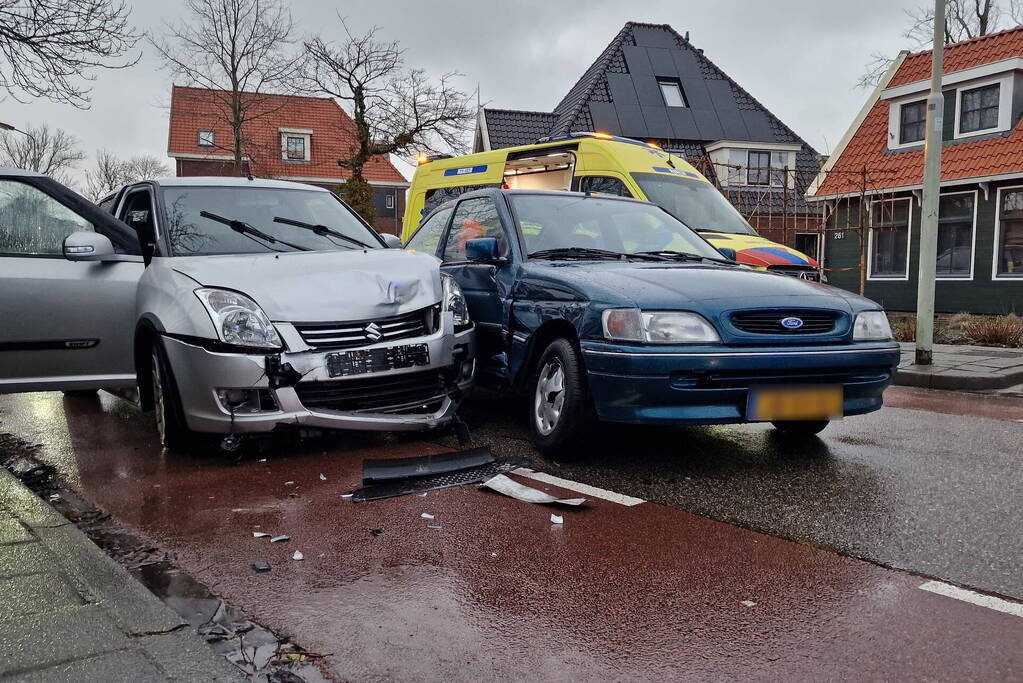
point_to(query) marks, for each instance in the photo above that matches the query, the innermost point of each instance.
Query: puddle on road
(260, 654)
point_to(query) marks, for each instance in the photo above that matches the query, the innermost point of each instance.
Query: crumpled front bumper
(199, 372)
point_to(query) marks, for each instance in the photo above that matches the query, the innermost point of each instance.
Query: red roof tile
(195, 109)
(867, 149)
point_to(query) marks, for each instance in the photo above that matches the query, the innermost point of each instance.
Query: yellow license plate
(766, 404)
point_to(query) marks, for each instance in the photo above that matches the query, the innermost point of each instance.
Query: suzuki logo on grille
(373, 332)
(792, 323)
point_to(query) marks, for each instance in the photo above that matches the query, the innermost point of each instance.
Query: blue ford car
(610, 308)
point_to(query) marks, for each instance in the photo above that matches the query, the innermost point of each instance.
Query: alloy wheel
(549, 399)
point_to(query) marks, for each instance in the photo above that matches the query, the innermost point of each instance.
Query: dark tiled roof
(511, 127)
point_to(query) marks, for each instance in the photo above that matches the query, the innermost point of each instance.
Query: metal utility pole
(932, 187)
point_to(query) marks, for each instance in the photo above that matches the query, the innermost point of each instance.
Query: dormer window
(295, 144)
(205, 138)
(671, 90)
(978, 109)
(912, 122)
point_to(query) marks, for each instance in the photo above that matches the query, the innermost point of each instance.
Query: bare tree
(964, 20)
(238, 49)
(48, 46)
(396, 110)
(110, 173)
(53, 152)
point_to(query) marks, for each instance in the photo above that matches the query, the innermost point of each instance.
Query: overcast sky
(800, 58)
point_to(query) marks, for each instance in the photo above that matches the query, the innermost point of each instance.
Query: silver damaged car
(233, 305)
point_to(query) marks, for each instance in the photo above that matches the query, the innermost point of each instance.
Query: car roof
(230, 181)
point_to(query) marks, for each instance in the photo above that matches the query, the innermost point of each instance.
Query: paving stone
(41, 640)
(125, 665)
(35, 594)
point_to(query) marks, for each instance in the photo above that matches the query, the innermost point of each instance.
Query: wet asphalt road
(617, 592)
(932, 483)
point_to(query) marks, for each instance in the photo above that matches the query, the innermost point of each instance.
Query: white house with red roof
(881, 158)
(287, 137)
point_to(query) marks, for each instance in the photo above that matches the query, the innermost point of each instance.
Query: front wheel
(801, 428)
(561, 410)
(170, 419)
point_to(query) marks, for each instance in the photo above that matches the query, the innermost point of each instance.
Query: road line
(979, 599)
(584, 489)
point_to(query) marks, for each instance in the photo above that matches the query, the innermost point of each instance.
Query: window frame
(816, 256)
(389, 201)
(96, 227)
(758, 169)
(493, 198)
(973, 238)
(959, 132)
(442, 238)
(307, 137)
(677, 85)
(154, 207)
(995, 276)
(199, 138)
(902, 123)
(870, 241)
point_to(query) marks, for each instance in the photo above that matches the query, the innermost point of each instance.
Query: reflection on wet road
(616, 592)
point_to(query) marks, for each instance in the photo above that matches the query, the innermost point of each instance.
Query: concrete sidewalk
(70, 613)
(958, 367)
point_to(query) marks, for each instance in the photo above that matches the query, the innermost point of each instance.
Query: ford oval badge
(792, 323)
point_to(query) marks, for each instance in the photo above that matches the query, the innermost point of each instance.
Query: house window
(389, 201)
(955, 236)
(758, 168)
(671, 90)
(912, 122)
(1009, 253)
(206, 138)
(809, 244)
(295, 147)
(979, 108)
(889, 239)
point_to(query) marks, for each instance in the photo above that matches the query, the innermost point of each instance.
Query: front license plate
(766, 404)
(362, 361)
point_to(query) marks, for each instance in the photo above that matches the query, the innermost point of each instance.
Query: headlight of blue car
(657, 327)
(871, 326)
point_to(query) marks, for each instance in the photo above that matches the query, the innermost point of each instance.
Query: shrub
(903, 327)
(1001, 330)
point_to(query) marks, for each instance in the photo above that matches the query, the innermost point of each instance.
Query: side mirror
(392, 241)
(88, 246)
(728, 253)
(482, 249)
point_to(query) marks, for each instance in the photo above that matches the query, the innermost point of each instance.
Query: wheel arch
(538, 342)
(146, 332)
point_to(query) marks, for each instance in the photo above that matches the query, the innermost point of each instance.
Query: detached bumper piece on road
(389, 478)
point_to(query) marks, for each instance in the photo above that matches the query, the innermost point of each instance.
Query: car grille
(349, 335)
(745, 379)
(405, 393)
(769, 321)
(802, 273)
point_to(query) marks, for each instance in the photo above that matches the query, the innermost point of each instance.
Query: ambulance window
(427, 238)
(596, 184)
(439, 195)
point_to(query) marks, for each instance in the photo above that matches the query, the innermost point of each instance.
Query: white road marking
(584, 489)
(979, 599)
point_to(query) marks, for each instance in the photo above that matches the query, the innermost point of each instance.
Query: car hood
(759, 251)
(693, 286)
(323, 286)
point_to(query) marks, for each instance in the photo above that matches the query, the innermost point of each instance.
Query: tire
(560, 408)
(801, 428)
(170, 418)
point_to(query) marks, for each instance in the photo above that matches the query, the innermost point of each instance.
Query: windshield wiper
(588, 252)
(321, 230)
(244, 228)
(685, 256)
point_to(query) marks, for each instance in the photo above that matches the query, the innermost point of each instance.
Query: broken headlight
(239, 320)
(454, 301)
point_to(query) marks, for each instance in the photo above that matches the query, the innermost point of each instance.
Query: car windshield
(191, 234)
(579, 222)
(696, 203)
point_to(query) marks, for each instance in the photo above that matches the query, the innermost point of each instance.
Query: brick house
(650, 83)
(289, 138)
(880, 161)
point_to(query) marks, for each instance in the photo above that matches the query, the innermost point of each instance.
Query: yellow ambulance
(603, 163)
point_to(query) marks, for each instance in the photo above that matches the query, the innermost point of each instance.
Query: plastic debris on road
(748, 603)
(278, 539)
(322, 478)
(557, 519)
(526, 494)
(434, 526)
(297, 555)
(378, 532)
(346, 495)
(426, 515)
(289, 483)
(261, 566)
(259, 534)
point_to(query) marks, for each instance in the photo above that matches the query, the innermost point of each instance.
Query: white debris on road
(556, 519)
(426, 515)
(298, 555)
(259, 534)
(526, 494)
(282, 537)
